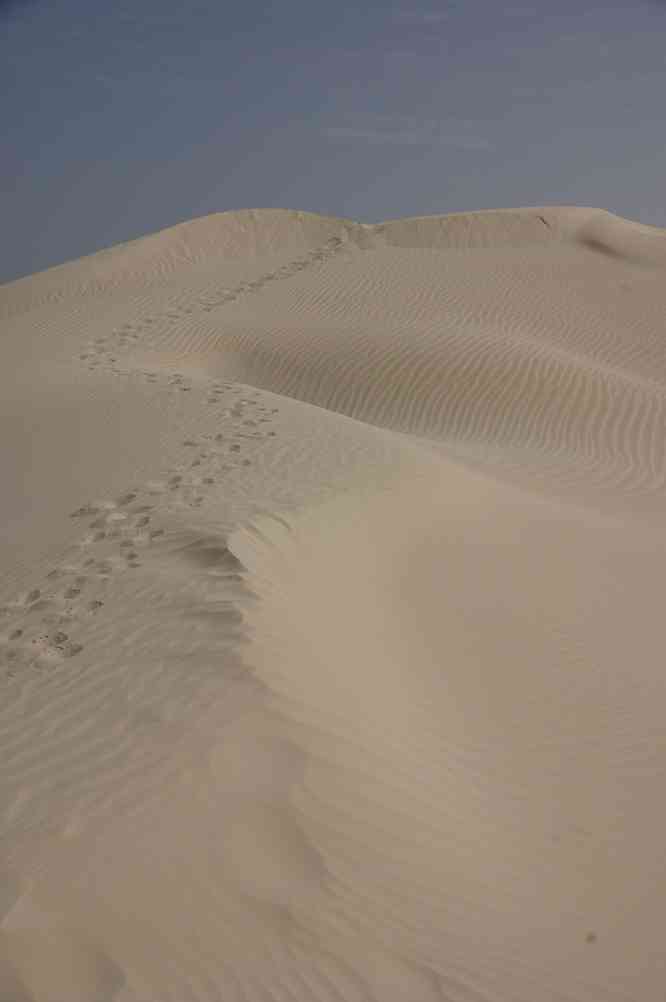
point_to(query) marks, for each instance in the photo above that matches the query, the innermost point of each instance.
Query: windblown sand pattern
(331, 613)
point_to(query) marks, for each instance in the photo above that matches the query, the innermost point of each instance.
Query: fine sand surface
(332, 613)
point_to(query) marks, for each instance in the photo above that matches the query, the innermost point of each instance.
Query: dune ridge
(330, 613)
(396, 326)
(247, 233)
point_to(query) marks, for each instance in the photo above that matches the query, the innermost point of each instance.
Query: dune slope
(330, 613)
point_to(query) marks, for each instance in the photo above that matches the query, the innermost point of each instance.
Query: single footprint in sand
(86, 509)
(127, 498)
(75, 589)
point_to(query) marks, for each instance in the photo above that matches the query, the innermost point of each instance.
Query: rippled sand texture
(331, 613)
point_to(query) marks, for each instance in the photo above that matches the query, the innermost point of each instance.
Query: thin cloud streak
(407, 137)
(422, 17)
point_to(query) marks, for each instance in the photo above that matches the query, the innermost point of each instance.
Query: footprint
(71, 650)
(87, 509)
(127, 498)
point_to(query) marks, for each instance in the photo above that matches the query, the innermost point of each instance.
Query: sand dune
(330, 613)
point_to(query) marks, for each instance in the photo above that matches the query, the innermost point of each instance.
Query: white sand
(332, 614)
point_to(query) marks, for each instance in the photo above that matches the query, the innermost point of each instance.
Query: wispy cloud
(423, 16)
(450, 11)
(421, 135)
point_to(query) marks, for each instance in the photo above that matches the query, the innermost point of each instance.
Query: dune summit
(331, 613)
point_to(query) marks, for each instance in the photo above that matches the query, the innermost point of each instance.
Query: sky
(122, 117)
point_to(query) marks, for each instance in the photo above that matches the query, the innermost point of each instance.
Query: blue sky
(120, 118)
